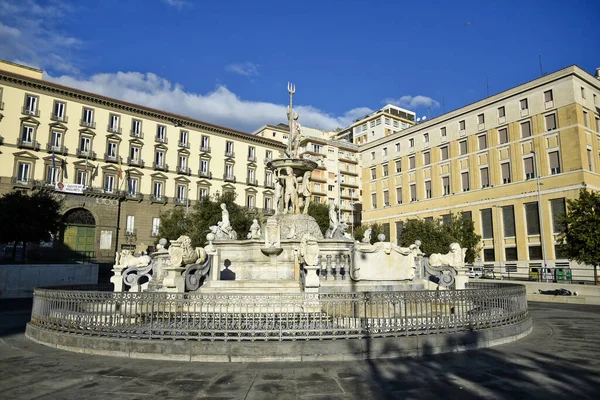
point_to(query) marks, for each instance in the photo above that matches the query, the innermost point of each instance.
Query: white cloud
(176, 3)
(221, 106)
(245, 68)
(412, 102)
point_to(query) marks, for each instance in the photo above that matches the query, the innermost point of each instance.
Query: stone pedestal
(460, 280)
(174, 281)
(117, 278)
(311, 279)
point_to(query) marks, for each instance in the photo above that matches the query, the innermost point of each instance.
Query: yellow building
(496, 160)
(118, 165)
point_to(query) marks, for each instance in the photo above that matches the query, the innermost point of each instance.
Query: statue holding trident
(295, 128)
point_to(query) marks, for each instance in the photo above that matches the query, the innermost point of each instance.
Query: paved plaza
(559, 359)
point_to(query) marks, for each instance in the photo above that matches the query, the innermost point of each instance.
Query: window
(558, 210)
(413, 192)
(443, 133)
(88, 117)
(501, 112)
(59, 111)
(385, 170)
(183, 138)
(111, 150)
(27, 134)
(444, 153)
(180, 193)
(204, 167)
(250, 201)
(330, 188)
(398, 166)
(586, 119)
(395, 124)
(136, 128)
(481, 119)
(411, 162)
(590, 162)
(446, 185)
(268, 178)
(386, 198)
(157, 189)
(550, 122)
(532, 218)
(23, 172)
(378, 121)
(134, 154)
(374, 200)
(56, 140)
(268, 154)
(205, 144)
(203, 193)
(82, 177)
(583, 93)
(31, 104)
(482, 140)
(426, 158)
(399, 226)
(132, 186)
(387, 121)
(397, 147)
(464, 178)
(535, 252)
(84, 145)
(508, 218)
(373, 173)
(488, 255)
(487, 224)
(523, 104)
(114, 122)
(251, 175)
(485, 178)
(251, 153)
(399, 195)
(554, 162)
(182, 163)
(503, 135)
(597, 124)
(525, 129)
(505, 168)
(462, 125)
(155, 227)
(130, 225)
(548, 96)
(528, 167)
(372, 155)
(463, 148)
(411, 143)
(426, 138)
(159, 159)
(427, 189)
(317, 148)
(228, 171)
(109, 183)
(510, 254)
(373, 124)
(384, 152)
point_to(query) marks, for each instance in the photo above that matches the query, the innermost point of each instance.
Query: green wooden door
(80, 238)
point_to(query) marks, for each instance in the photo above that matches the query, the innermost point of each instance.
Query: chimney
(597, 73)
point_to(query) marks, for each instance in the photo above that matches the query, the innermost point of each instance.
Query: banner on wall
(70, 187)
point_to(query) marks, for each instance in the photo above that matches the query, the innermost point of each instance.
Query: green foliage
(580, 240)
(376, 229)
(320, 212)
(436, 237)
(29, 216)
(204, 214)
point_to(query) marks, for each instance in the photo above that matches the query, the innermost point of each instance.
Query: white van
(475, 272)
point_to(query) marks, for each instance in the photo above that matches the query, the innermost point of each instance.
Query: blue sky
(228, 62)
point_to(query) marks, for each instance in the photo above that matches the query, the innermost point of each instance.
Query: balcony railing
(112, 158)
(33, 113)
(160, 167)
(59, 118)
(157, 198)
(135, 134)
(230, 154)
(268, 211)
(159, 139)
(135, 161)
(88, 124)
(252, 158)
(134, 196)
(205, 149)
(154, 234)
(50, 148)
(86, 154)
(114, 129)
(22, 181)
(184, 170)
(130, 232)
(205, 174)
(181, 200)
(251, 182)
(270, 185)
(229, 178)
(267, 160)
(185, 145)
(28, 144)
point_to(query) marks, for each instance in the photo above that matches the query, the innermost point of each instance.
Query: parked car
(475, 272)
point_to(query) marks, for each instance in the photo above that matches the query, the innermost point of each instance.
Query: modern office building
(509, 162)
(118, 165)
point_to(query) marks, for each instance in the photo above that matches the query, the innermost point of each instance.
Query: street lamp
(540, 216)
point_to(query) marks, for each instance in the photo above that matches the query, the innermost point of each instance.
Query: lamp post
(499, 243)
(540, 215)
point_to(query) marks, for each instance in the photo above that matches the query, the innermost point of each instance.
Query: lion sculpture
(183, 253)
(126, 259)
(454, 258)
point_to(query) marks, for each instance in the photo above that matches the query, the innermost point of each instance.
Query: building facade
(118, 165)
(509, 162)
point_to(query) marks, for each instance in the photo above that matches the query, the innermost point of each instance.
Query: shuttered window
(444, 153)
(413, 192)
(508, 218)
(411, 162)
(446, 219)
(528, 165)
(558, 210)
(428, 189)
(399, 195)
(482, 142)
(374, 200)
(463, 147)
(532, 218)
(555, 162)
(485, 178)
(446, 185)
(510, 254)
(464, 177)
(426, 158)
(505, 172)
(386, 198)
(503, 135)
(488, 255)
(467, 215)
(550, 122)
(487, 225)
(526, 129)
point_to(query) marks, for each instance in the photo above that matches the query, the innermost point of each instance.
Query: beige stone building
(117, 164)
(509, 162)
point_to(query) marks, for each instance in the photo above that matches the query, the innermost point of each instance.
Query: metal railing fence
(276, 317)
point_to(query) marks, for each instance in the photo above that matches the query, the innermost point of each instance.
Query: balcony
(268, 211)
(28, 144)
(158, 198)
(185, 145)
(205, 149)
(28, 111)
(251, 182)
(137, 162)
(112, 158)
(130, 232)
(161, 139)
(267, 160)
(229, 154)
(252, 158)
(86, 154)
(22, 181)
(134, 196)
(160, 167)
(56, 149)
(269, 185)
(205, 174)
(154, 234)
(348, 184)
(87, 124)
(348, 159)
(135, 134)
(182, 201)
(184, 170)
(229, 178)
(59, 118)
(114, 129)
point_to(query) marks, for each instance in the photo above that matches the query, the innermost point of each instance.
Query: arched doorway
(80, 232)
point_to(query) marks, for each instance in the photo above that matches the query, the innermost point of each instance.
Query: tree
(376, 229)
(320, 212)
(29, 217)
(580, 240)
(462, 230)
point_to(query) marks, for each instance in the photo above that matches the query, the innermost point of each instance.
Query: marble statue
(126, 259)
(223, 229)
(367, 235)
(446, 266)
(304, 191)
(278, 196)
(333, 223)
(290, 203)
(254, 230)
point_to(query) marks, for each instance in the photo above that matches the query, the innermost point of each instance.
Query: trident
(291, 90)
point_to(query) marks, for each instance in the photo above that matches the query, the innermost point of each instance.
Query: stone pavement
(560, 359)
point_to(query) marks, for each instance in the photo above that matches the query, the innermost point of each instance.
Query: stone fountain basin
(299, 165)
